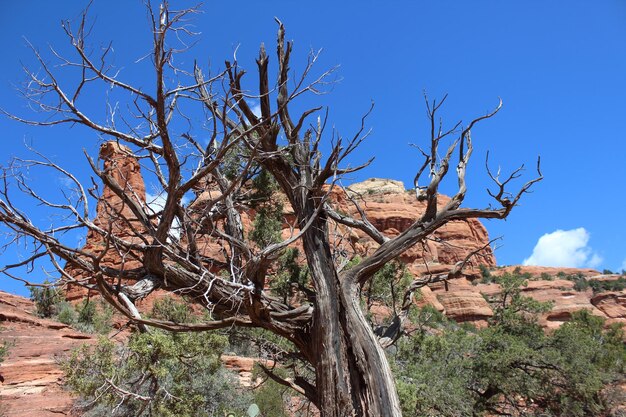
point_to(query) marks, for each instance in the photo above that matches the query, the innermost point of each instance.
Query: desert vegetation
(441, 368)
(341, 328)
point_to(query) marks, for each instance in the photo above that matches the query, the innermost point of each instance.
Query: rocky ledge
(32, 380)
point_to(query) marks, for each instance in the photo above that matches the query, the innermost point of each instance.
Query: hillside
(32, 383)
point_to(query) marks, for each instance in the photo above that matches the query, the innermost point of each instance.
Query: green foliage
(232, 164)
(46, 298)
(582, 284)
(271, 397)
(526, 275)
(427, 317)
(513, 311)
(512, 366)
(266, 230)
(607, 272)
(94, 317)
(601, 285)
(66, 313)
(4, 350)
(268, 221)
(167, 308)
(257, 342)
(156, 374)
(264, 186)
(87, 311)
(289, 273)
(387, 286)
(267, 225)
(434, 373)
(88, 317)
(589, 358)
(485, 273)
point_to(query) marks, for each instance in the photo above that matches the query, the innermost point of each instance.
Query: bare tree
(329, 333)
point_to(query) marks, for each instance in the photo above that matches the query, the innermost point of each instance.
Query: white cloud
(256, 109)
(566, 248)
(156, 203)
(255, 106)
(66, 182)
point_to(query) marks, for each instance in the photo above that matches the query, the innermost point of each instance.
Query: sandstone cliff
(387, 204)
(391, 209)
(112, 212)
(32, 378)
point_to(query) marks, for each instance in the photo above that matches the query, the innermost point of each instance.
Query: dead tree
(330, 334)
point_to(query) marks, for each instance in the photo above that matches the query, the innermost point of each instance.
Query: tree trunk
(353, 376)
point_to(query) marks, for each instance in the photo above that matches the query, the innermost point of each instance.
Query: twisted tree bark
(330, 335)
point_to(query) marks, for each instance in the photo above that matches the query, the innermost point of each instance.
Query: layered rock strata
(387, 204)
(32, 379)
(390, 208)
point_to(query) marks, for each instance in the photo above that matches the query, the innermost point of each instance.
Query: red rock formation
(427, 297)
(392, 209)
(33, 380)
(461, 301)
(112, 212)
(244, 367)
(123, 167)
(539, 271)
(612, 304)
(565, 299)
(465, 306)
(386, 203)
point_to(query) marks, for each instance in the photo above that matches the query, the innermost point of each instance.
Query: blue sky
(559, 67)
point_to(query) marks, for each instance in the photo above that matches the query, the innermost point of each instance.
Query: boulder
(613, 304)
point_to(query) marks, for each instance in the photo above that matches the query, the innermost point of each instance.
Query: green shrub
(512, 367)
(581, 284)
(89, 316)
(4, 350)
(271, 397)
(485, 273)
(267, 225)
(167, 308)
(157, 374)
(93, 317)
(46, 298)
(268, 220)
(387, 285)
(613, 285)
(66, 313)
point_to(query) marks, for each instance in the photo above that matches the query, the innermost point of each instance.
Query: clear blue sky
(559, 66)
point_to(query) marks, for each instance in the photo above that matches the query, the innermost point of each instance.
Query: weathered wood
(331, 335)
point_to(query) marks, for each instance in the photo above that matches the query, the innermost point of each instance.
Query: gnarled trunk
(353, 376)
